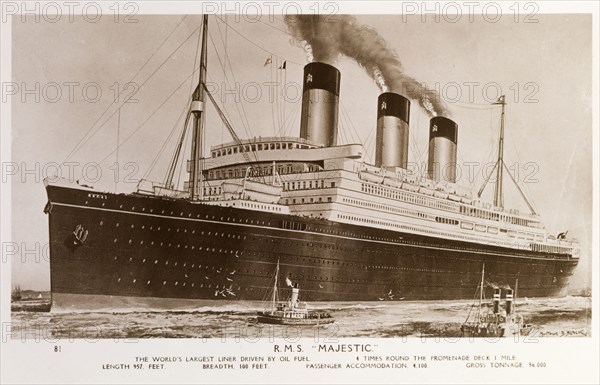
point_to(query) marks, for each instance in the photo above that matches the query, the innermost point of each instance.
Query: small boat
(16, 294)
(481, 322)
(292, 311)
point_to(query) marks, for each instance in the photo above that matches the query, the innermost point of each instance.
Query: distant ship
(343, 229)
(16, 294)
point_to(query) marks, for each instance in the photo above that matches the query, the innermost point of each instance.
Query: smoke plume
(330, 36)
(496, 286)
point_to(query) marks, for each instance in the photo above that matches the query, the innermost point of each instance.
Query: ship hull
(135, 246)
(274, 320)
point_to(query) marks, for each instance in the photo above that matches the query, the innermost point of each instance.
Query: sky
(543, 68)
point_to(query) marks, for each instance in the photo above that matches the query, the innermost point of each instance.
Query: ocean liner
(345, 230)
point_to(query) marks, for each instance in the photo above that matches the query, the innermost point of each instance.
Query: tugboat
(292, 311)
(495, 323)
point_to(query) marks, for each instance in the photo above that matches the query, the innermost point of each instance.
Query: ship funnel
(295, 291)
(443, 136)
(320, 104)
(393, 113)
(496, 301)
(509, 301)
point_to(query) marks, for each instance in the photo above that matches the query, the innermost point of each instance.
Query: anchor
(80, 235)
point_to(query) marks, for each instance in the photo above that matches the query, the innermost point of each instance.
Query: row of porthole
(176, 263)
(152, 243)
(176, 283)
(216, 233)
(181, 214)
(209, 286)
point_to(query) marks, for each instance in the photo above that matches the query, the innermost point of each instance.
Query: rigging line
(185, 144)
(230, 128)
(474, 108)
(283, 89)
(224, 41)
(368, 144)
(151, 115)
(274, 27)
(168, 181)
(346, 129)
(187, 108)
(278, 81)
(117, 154)
(139, 87)
(290, 120)
(519, 166)
(272, 101)
(242, 112)
(277, 94)
(343, 122)
(413, 142)
(173, 165)
(199, 41)
(257, 45)
(294, 118)
(352, 125)
(471, 104)
(518, 187)
(164, 145)
(123, 90)
(341, 132)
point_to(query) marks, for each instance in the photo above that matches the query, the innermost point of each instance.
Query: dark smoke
(330, 36)
(496, 286)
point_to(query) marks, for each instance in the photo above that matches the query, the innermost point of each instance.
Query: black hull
(273, 320)
(140, 246)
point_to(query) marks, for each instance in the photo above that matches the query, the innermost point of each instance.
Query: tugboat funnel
(295, 291)
(509, 301)
(496, 301)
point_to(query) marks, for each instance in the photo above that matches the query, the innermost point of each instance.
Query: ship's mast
(274, 299)
(498, 195)
(198, 109)
(481, 287)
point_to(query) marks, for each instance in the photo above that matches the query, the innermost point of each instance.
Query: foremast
(197, 109)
